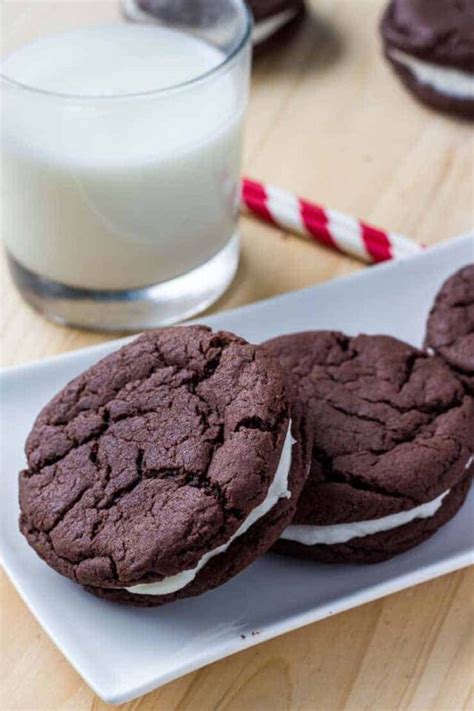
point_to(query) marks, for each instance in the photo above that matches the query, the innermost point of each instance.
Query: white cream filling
(342, 532)
(448, 81)
(278, 490)
(264, 29)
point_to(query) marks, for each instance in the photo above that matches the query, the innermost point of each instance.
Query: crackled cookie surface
(164, 469)
(450, 328)
(391, 428)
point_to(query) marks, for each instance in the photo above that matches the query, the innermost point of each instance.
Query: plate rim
(328, 283)
(118, 696)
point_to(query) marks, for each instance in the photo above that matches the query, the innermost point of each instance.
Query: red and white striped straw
(329, 227)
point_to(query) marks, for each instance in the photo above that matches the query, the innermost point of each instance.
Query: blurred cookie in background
(430, 44)
(273, 18)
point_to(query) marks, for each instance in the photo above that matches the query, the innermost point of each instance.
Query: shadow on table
(311, 41)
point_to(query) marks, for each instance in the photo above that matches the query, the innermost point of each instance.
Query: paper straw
(329, 227)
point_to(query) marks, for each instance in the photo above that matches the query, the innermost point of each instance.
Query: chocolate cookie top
(153, 456)
(450, 327)
(391, 425)
(438, 31)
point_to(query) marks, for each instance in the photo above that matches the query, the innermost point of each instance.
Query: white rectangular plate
(124, 652)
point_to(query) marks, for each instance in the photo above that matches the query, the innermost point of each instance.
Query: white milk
(116, 191)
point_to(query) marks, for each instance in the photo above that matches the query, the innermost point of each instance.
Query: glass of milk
(121, 164)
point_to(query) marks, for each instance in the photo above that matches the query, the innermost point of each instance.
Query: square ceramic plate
(123, 652)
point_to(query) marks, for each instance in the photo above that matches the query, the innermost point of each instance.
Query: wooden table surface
(327, 119)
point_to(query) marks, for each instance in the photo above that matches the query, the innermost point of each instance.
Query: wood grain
(327, 119)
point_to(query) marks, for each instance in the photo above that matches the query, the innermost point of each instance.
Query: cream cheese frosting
(446, 80)
(277, 490)
(310, 535)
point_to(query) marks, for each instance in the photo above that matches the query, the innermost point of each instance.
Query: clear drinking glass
(121, 163)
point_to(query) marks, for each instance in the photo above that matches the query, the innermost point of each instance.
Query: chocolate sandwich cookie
(450, 328)
(391, 460)
(271, 17)
(164, 469)
(430, 44)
